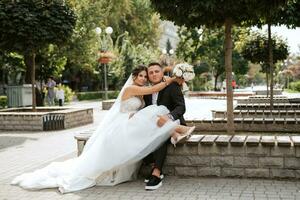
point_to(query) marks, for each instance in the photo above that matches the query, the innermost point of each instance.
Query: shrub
(295, 86)
(3, 101)
(68, 93)
(96, 95)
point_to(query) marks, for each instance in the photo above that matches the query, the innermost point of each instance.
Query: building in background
(169, 31)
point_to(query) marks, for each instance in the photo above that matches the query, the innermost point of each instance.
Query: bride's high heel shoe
(182, 137)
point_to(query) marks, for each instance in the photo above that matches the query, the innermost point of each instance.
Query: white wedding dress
(111, 155)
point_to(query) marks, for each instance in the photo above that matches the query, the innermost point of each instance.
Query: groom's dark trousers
(173, 99)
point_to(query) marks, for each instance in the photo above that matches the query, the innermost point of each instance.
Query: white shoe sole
(153, 187)
(161, 177)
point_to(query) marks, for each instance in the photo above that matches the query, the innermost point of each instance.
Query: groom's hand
(162, 119)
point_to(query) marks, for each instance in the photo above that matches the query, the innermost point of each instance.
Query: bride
(126, 135)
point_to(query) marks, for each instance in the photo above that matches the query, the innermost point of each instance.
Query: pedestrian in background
(60, 95)
(50, 91)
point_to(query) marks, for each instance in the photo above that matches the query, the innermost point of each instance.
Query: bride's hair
(138, 69)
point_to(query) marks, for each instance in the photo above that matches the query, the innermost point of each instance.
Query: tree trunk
(228, 68)
(267, 79)
(216, 82)
(270, 46)
(33, 82)
(28, 63)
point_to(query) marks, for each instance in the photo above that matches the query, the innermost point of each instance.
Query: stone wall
(107, 104)
(17, 121)
(247, 161)
(77, 117)
(252, 156)
(12, 120)
(249, 124)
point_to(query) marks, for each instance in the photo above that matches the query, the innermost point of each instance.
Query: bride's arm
(137, 90)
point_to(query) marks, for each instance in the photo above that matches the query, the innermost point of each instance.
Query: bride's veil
(109, 117)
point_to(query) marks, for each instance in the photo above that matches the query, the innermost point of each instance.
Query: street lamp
(105, 55)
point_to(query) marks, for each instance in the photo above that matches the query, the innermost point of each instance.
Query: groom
(173, 99)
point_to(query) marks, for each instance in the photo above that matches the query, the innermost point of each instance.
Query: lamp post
(105, 55)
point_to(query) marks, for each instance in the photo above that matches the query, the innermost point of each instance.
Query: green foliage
(50, 62)
(128, 57)
(287, 13)
(255, 48)
(68, 93)
(135, 35)
(204, 48)
(3, 101)
(26, 26)
(212, 13)
(200, 83)
(12, 68)
(295, 86)
(96, 95)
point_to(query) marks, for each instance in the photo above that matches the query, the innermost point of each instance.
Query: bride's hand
(169, 80)
(178, 80)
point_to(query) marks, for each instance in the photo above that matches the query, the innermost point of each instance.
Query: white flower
(186, 76)
(178, 73)
(184, 70)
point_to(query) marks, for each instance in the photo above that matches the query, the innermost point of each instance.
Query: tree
(215, 13)
(280, 15)
(28, 26)
(136, 17)
(12, 67)
(213, 52)
(256, 50)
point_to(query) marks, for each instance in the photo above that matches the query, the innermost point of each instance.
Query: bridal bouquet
(185, 71)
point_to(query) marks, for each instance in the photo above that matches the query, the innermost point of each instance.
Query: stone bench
(265, 97)
(266, 106)
(81, 140)
(217, 95)
(245, 156)
(264, 92)
(262, 100)
(44, 119)
(248, 124)
(259, 113)
(107, 104)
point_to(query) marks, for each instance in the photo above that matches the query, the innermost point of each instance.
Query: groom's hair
(154, 63)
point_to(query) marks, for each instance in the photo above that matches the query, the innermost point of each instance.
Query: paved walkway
(24, 151)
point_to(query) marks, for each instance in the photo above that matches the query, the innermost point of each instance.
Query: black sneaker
(154, 183)
(148, 177)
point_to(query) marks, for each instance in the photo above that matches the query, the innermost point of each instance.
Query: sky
(292, 36)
